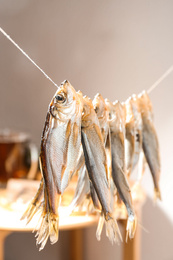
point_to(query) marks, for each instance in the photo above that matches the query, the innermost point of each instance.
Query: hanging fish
(103, 117)
(101, 142)
(139, 157)
(117, 129)
(150, 142)
(95, 160)
(84, 188)
(60, 147)
(129, 136)
(133, 138)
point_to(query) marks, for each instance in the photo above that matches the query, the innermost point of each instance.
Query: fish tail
(43, 233)
(131, 227)
(100, 227)
(53, 228)
(112, 230)
(49, 228)
(157, 194)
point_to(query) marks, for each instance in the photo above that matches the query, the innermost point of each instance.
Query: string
(160, 79)
(26, 55)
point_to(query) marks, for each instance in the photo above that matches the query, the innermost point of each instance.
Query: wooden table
(10, 222)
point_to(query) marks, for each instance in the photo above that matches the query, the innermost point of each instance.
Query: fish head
(112, 115)
(145, 105)
(136, 110)
(88, 114)
(119, 107)
(145, 100)
(100, 106)
(110, 108)
(65, 103)
(120, 112)
(131, 109)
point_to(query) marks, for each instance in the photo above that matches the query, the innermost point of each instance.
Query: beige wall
(116, 48)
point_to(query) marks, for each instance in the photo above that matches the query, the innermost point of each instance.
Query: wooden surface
(10, 215)
(10, 220)
(131, 248)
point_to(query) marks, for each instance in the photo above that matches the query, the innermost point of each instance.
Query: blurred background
(114, 47)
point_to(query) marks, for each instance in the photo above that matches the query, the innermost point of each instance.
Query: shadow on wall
(19, 246)
(154, 244)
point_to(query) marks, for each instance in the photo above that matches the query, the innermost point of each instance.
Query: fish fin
(141, 166)
(49, 228)
(38, 224)
(34, 205)
(131, 227)
(112, 230)
(29, 213)
(100, 227)
(43, 233)
(53, 228)
(157, 194)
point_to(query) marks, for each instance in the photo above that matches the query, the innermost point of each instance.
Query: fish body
(138, 129)
(117, 129)
(139, 157)
(59, 153)
(95, 160)
(102, 115)
(103, 118)
(150, 142)
(129, 136)
(133, 137)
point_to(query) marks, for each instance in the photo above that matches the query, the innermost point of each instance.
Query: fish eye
(60, 98)
(96, 109)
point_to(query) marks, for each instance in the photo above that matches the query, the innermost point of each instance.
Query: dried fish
(129, 136)
(95, 160)
(60, 149)
(103, 117)
(117, 129)
(150, 142)
(101, 142)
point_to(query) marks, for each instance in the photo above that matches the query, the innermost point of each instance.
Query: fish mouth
(65, 82)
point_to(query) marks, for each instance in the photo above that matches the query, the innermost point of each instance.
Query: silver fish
(60, 147)
(117, 128)
(129, 136)
(138, 129)
(139, 157)
(103, 117)
(133, 140)
(150, 142)
(95, 160)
